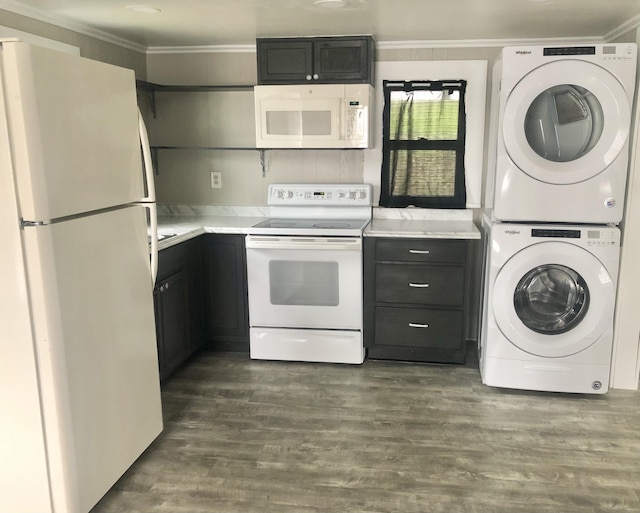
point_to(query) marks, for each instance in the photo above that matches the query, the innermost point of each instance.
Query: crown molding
(155, 50)
(390, 45)
(484, 43)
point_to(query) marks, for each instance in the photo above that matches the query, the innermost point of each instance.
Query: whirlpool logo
(523, 52)
(512, 232)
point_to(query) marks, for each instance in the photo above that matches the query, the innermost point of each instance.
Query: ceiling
(239, 22)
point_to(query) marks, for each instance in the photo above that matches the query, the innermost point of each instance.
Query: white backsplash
(212, 210)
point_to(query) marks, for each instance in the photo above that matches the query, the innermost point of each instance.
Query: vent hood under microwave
(313, 116)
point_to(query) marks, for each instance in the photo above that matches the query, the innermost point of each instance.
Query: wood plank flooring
(256, 436)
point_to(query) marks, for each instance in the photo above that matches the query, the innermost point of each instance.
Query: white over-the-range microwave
(314, 116)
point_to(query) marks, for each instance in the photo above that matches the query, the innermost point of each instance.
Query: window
(423, 144)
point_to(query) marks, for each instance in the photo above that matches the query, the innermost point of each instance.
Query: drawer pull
(419, 251)
(416, 325)
(419, 285)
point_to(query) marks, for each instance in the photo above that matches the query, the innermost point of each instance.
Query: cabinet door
(321, 60)
(194, 268)
(284, 61)
(226, 313)
(173, 324)
(343, 60)
(179, 304)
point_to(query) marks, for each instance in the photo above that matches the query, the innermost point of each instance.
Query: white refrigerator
(79, 385)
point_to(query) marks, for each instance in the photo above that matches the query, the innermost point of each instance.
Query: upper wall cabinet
(322, 60)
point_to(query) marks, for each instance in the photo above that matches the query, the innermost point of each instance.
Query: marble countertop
(423, 228)
(422, 223)
(184, 223)
(185, 227)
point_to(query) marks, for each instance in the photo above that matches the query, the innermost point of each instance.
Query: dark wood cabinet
(178, 305)
(321, 60)
(225, 285)
(416, 297)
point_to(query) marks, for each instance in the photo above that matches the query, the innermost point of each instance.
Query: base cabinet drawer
(420, 328)
(416, 297)
(422, 250)
(420, 284)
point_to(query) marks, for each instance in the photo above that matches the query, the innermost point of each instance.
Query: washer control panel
(320, 194)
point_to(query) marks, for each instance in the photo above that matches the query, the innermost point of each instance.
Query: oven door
(305, 282)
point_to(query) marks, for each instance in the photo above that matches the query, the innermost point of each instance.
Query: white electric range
(304, 268)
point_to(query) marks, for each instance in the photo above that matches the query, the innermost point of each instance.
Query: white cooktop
(317, 209)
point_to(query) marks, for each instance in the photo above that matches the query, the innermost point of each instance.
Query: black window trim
(458, 200)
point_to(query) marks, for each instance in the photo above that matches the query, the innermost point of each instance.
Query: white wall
(626, 348)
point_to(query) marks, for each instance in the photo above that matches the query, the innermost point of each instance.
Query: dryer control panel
(589, 236)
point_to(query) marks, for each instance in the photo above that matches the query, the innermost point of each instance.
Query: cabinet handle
(419, 251)
(419, 285)
(308, 77)
(416, 325)
(315, 76)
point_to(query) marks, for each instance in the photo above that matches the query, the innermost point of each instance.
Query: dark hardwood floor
(256, 436)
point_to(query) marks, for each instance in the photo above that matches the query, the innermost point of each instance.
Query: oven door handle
(314, 243)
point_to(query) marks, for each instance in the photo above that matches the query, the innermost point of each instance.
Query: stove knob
(362, 195)
(279, 194)
(289, 194)
(352, 194)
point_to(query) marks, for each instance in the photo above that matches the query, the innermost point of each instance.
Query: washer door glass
(564, 123)
(551, 299)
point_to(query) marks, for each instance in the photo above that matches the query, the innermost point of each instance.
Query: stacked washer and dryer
(559, 147)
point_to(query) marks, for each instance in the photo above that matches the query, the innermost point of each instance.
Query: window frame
(458, 200)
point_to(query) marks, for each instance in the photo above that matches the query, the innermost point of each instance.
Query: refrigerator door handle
(147, 160)
(153, 223)
(149, 201)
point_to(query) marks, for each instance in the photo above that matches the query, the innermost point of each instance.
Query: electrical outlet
(216, 179)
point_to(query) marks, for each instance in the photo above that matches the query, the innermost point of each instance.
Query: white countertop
(422, 228)
(422, 223)
(189, 222)
(189, 226)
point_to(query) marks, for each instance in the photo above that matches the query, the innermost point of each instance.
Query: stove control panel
(320, 194)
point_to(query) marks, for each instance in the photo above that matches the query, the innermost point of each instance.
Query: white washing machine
(561, 133)
(549, 297)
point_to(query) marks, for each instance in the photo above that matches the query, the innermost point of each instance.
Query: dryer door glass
(568, 131)
(551, 299)
(564, 123)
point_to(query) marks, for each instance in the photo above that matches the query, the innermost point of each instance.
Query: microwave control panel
(320, 194)
(355, 121)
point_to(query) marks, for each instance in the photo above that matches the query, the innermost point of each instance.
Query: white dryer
(549, 297)
(561, 133)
